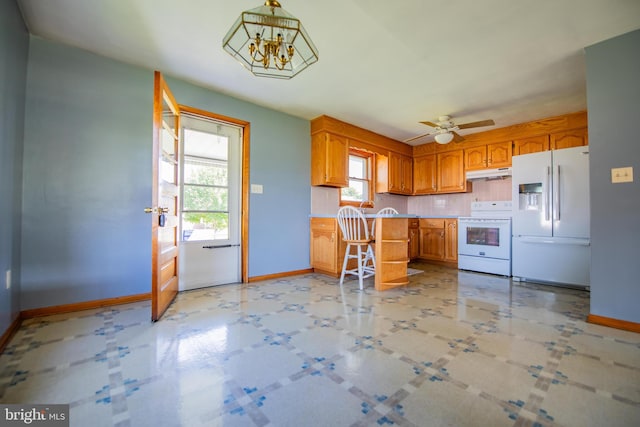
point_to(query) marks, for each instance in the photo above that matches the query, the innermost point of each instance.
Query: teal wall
(87, 178)
(14, 47)
(613, 97)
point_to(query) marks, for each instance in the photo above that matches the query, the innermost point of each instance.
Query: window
(205, 208)
(361, 181)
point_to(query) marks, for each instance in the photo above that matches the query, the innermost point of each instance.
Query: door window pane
(205, 226)
(205, 172)
(205, 197)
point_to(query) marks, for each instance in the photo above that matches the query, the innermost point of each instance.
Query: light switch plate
(256, 188)
(621, 175)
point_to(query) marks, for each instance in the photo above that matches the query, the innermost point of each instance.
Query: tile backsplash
(460, 204)
(324, 200)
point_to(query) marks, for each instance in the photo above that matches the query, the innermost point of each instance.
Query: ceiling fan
(445, 129)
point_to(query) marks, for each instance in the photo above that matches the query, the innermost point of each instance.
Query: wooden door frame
(244, 209)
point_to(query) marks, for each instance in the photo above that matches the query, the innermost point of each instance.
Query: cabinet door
(324, 244)
(499, 154)
(534, 144)
(407, 175)
(568, 139)
(475, 158)
(424, 174)
(400, 174)
(432, 243)
(329, 160)
(451, 240)
(395, 173)
(414, 242)
(323, 250)
(451, 172)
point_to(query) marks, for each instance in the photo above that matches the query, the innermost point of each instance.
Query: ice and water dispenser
(530, 197)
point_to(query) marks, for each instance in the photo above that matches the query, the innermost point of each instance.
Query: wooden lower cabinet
(451, 240)
(429, 239)
(414, 238)
(439, 239)
(325, 238)
(327, 250)
(327, 247)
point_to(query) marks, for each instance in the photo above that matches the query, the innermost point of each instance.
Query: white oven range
(484, 238)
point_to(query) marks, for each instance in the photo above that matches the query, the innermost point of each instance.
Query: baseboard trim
(79, 306)
(10, 332)
(613, 323)
(280, 275)
(327, 273)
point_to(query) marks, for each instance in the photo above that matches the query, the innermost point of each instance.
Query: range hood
(488, 174)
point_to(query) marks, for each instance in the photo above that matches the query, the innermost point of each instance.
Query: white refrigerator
(551, 241)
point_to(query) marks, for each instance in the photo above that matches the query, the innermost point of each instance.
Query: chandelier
(270, 42)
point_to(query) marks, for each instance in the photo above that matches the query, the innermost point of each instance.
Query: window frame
(370, 161)
(185, 157)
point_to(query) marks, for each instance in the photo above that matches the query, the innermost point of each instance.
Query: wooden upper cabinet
(475, 158)
(425, 174)
(406, 174)
(499, 154)
(496, 155)
(394, 174)
(534, 144)
(568, 139)
(329, 160)
(451, 178)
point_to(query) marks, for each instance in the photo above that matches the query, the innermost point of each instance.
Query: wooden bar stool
(355, 233)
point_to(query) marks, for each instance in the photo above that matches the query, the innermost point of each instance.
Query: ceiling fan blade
(417, 137)
(457, 137)
(477, 124)
(433, 125)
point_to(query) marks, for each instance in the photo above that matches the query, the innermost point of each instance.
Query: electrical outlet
(7, 279)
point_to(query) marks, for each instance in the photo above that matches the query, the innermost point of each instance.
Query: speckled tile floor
(451, 349)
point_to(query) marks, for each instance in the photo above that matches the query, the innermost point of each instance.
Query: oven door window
(483, 236)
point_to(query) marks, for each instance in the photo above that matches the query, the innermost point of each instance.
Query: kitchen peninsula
(391, 239)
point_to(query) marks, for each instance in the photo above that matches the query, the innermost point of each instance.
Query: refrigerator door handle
(548, 193)
(556, 194)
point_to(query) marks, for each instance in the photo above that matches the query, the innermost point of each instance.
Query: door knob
(156, 210)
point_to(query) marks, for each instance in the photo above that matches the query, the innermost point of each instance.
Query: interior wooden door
(164, 199)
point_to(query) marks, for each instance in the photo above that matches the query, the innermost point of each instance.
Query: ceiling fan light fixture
(270, 42)
(444, 137)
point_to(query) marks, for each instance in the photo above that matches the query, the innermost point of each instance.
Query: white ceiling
(384, 65)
